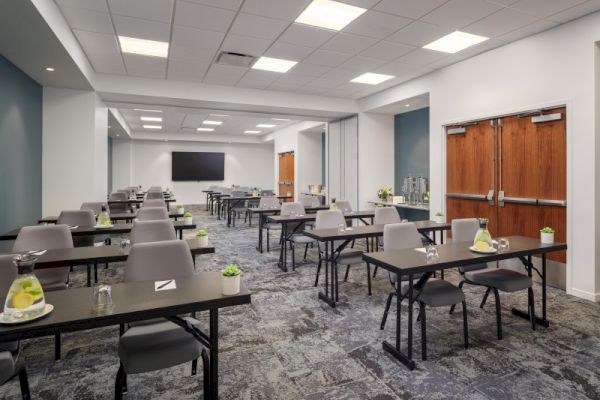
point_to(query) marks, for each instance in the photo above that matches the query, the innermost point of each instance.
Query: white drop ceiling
(386, 39)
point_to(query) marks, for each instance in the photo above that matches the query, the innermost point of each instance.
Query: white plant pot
(187, 220)
(547, 238)
(203, 241)
(180, 210)
(439, 219)
(230, 285)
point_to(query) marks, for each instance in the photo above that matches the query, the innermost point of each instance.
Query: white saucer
(47, 310)
(491, 250)
(103, 226)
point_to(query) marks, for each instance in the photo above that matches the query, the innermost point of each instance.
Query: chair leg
(293, 250)
(388, 304)
(24, 382)
(95, 272)
(119, 383)
(106, 266)
(423, 331)
(375, 271)
(268, 249)
(460, 285)
(306, 250)
(194, 366)
(347, 271)
(465, 324)
(369, 277)
(485, 296)
(57, 346)
(498, 313)
(531, 307)
(318, 270)
(205, 373)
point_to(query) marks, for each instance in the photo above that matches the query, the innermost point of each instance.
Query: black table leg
(329, 295)
(181, 234)
(282, 264)
(214, 353)
(525, 315)
(260, 232)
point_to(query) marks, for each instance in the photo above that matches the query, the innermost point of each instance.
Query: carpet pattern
(289, 345)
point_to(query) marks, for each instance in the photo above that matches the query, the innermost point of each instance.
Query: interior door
(532, 179)
(286, 173)
(471, 172)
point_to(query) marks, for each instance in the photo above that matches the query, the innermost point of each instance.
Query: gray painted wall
(20, 148)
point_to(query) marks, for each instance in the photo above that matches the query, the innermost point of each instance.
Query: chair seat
(301, 239)
(152, 347)
(349, 257)
(502, 279)
(438, 293)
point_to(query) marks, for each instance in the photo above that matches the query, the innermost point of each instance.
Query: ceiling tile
(102, 50)
(89, 4)
(154, 10)
(348, 43)
(227, 4)
(387, 51)
(577, 11)
(363, 64)
(258, 26)
(245, 45)
(458, 13)
(303, 35)
(203, 17)
(141, 28)
(340, 75)
(284, 87)
(287, 10)
(263, 76)
(401, 71)
(287, 79)
(197, 38)
(252, 84)
(327, 58)
(376, 24)
(288, 51)
(409, 8)
(325, 83)
(362, 3)
(88, 20)
(421, 57)
(186, 70)
(309, 89)
(539, 26)
(191, 53)
(307, 69)
(224, 75)
(419, 34)
(500, 22)
(544, 8)
(147, 67)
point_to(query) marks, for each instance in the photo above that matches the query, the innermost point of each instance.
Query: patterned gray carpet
(289, 345)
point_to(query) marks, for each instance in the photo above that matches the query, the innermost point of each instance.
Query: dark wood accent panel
(460, 208)
(286, 173)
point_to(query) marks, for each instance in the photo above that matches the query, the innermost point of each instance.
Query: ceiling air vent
(235, 59)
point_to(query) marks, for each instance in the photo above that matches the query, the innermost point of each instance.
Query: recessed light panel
(49, 69)
(274, 64)
(208, 122)
(144, 110)
(280, 119)
(151, 119)
(152, 127)
(144, 47)
(329, 14)
(265, 126)
(455, 42)
(253, 132)
(205, 129)
(370, 78)
(219, 115)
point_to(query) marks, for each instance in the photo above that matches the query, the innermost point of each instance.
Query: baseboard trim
(595, 297)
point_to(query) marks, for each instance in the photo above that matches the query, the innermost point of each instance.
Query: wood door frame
(568, 104)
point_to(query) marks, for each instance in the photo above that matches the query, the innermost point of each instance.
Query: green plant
(178, 206)
(202, 232)
(231, 270)
(439, 214)
(547, 229)
(187, 215)
(384, 192)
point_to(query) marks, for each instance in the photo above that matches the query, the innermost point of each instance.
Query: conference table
(139, 301)
(208, 195)
(330, 236)
(113, 230)
(137, 201)
(294, 224)
(231, 202)
(413, 263)
(128, 217)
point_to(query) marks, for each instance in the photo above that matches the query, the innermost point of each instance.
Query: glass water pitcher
(483, 239)
(103, 218)
(25, 299)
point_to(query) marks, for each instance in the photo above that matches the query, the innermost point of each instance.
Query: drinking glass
(125, 243)
(503, 244)
(293, 213)
(102, 298)
(341, 228)
(432, 254)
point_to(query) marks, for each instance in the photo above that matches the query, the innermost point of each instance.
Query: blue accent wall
(20, 148)
(411, 152)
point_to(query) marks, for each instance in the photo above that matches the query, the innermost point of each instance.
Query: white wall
(375, 155)
(309, 160)
(245, 164)
(551, 68)
(74, 158)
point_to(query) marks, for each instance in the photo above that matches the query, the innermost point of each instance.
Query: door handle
(502, 199)
(548, 202)
(490, 197)
(465, 196)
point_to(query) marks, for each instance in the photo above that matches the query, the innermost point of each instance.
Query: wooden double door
(511, 170)
(286, 173)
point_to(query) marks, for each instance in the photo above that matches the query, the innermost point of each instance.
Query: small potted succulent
(384, 193)
(187, 218)
(202, 235)
(179, 208)
(439, 217)
(547, 235)
(230, 280)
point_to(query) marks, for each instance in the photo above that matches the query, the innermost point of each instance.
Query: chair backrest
(267, 193)
(154, 203)
(8, 273)
(152, 231)
(268, 202)
(328, 219)
(43, 237)
(154, 195)
(155, 188)
(96, 207)
(238, 193)
(77, 217)
(344, 205)
(402, 235)
(152, 214)
(159, 261)
(288, 208)
(386, 215)
(118, 196)
(464, 230)
(310, 201)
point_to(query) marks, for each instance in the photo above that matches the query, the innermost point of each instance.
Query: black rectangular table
(412, 263)
(208, 194)
(138, 301)
(231, 202)
(91, 230)
(127, 217)
(137, 201)
(330, 236)
(292, 225)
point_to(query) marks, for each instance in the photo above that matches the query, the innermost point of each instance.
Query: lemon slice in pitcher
(22, 300)
(482, 246)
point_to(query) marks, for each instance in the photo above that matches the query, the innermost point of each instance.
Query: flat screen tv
(194, 166)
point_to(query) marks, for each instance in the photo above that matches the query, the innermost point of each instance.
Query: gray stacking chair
(152, 213)
(265, 193)
(46, 237)
(240, 208)
(79, 218)
(11, 365)
(154, 203)
(310, 201)
(344, 205)
(154, 195)
(384, 216)
(495, 279)
(330, 219)
(118, 208)
(269, 202)
(152, 231)
(298, 238)
(96, 207)
(435, 293)
(158, 343)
